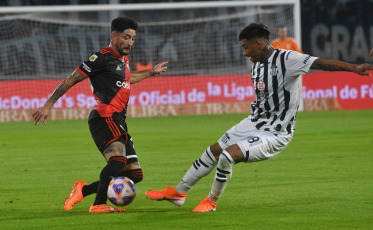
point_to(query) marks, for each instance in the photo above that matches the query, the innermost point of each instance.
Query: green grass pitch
(323, 180)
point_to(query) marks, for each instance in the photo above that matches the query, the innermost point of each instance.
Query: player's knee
(215, 150)
(207, 159)
(115, 148)
(236, 153)
(226, 160)
(224, 169)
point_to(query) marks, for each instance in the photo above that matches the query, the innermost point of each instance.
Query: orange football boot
(104, 208)
(169, 194)
(75, 195)
(205, 206)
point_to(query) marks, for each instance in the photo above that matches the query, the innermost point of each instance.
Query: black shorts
(105, 130)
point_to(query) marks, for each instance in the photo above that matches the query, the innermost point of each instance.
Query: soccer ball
(121, 191)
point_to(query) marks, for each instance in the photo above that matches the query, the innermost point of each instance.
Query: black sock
(91, 188)
(135, 175)
(112, 169)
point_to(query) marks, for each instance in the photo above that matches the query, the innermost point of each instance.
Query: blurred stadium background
(207, 73)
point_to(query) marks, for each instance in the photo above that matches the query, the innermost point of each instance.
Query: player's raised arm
(137, 76)
(41, 114)
(335, 65)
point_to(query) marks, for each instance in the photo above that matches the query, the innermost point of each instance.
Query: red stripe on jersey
(112, 128)
(119, 102)
(126, 137)
(114, 54)
(82, 72)
(106, 50)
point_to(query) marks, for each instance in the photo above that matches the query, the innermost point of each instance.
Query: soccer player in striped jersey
(270, 126)
(110, 78)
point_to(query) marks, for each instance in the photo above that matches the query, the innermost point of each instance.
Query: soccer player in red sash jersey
(110, 79)
(269, 128)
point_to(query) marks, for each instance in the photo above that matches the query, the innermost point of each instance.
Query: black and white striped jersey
(277, 88)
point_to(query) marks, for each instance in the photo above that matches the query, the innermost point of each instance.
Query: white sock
(200, 168)
(222, 176)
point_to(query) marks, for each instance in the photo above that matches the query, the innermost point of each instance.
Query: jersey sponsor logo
(274, 70)
(306, 59)
(123, 84)
(93, 58)
(261, 86)
(87, 68)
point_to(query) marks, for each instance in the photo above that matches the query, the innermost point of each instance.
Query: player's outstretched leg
(104, 208)
(76, 195)
(222, 177)
(113, 168)
(169, 194)
(200, 168)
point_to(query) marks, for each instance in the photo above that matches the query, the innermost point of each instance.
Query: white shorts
(255, 145)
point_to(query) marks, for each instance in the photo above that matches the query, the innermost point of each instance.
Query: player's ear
(114, 35)
(258, 43)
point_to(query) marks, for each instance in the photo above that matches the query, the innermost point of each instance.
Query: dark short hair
(254, 30)
(122, 23)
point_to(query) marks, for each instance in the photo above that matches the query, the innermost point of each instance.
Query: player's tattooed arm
(335, 65)
(42, 113)
(65, 85)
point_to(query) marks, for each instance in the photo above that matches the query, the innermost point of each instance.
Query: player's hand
(160, 68)
(41, 115)
(371, 53)
(361, 69)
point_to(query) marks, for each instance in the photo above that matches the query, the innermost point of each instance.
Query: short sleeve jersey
(109, 77)
(277, 88)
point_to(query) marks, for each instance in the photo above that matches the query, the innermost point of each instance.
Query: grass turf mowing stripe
(323, 180)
